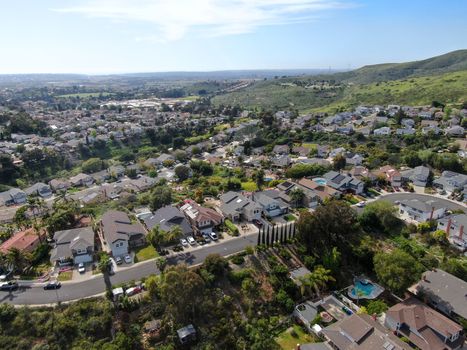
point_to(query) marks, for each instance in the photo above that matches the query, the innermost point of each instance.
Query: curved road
(36, 295)
(399, 196)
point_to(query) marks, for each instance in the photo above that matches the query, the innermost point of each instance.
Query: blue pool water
(364, 290)
(320, 181)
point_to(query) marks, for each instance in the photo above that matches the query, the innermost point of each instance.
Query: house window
(81, 251)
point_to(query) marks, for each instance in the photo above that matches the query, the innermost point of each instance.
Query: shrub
(238, 259)
(231, 227)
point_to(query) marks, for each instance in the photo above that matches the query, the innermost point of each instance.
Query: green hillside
(442, 78)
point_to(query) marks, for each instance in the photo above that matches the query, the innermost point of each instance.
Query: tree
(92, 165)
(380, 216)
(297, 195)
(376, 307)
(456, 267)
(160, 196)
(258, 177)
(182, 172)
(215, 264)
(17, 260)
(151, 284)
(333, 224)
(161, 263)
(182, 291)
(339, 162)
(397, 270)
(316, 280)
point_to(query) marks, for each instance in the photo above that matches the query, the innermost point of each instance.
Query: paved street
(36, 295)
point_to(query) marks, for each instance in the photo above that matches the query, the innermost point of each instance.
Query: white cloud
(173, 19)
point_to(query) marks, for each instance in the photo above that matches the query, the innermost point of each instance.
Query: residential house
(385, 130)
(281, 149)
(82, 180)
(300, 150)
(316, 192)
(25, 241)
(237, 207)
(422, 211)
(323, 151)
(419, 175)
(336, 151)
(405, 131)
(360, 172)
(75, 245)
(361, 332)
(58, 185)
(101, 176)
(202, 219)
(451, 181)
(13, 196)
(39, 189)
(343, 182)
(271, 206)
(424, 327)
(353, 158)
(281, 161)
(120, 233)
(455, 130)
(116, 171)
(444, 292)
(390, 174)
(167, 218)
(455, 227)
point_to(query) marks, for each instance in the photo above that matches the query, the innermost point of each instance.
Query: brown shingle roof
(117, 225)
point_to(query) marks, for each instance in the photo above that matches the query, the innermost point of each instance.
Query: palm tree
(17, 260)
(297, 195)
(174, 234)
(316, 280)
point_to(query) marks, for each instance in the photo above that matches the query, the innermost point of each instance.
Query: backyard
(294, 335)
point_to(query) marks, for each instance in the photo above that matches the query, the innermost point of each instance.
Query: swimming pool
(364, 289)
(320, 181)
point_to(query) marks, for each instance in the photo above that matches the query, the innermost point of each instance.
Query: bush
(238, 259)
(231, 227)
(237, 277)
(376, 307)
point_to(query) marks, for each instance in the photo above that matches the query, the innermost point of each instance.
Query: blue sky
(115, 36)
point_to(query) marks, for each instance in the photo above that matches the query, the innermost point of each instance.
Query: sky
(124, 36)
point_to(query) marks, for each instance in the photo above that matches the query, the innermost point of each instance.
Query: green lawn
(289, 339)
(65, 276)
(289, 217)
(146, 253)
(249, 186)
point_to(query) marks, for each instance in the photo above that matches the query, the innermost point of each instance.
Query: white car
(128, 259)
(361, 204)
(81, 268)
(191, 240)
(184, 242)
(213, 236)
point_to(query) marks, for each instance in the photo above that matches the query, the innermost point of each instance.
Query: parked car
(184, 242)
(81, 268)
(118, 260)
(213, 236)
(258, 223)
(133, 290)
(10, 285)
(112, 267)
(191, 240)
(361, 204)
(128, 259)
(52, 285)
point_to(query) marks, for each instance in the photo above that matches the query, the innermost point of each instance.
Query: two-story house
(421, 211)
(82, 180)
(76, 245)
(167, 218)
(39, 189)
(120, 233)
(426, 328)
(271, 206)
(237, 207)
(455, 227)
(343, 182)
(13, 196)
(202, 219)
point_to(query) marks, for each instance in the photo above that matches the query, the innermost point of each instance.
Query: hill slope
(442, 78)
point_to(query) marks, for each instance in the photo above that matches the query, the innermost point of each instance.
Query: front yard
(65, 276)
(145, 253)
